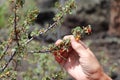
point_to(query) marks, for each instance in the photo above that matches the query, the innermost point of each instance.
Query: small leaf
(20, 2)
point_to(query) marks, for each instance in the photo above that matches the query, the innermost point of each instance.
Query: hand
(81, 63)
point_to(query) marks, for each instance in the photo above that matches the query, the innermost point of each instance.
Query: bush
(21, 56)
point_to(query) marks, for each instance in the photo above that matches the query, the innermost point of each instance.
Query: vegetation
(21, 57)
(19, 49)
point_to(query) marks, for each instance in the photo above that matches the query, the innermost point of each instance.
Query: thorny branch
(40, 51)
(47, 29)
(11, 58)
(4, 52)
(16, 39)
(15, 26)
(51, 26)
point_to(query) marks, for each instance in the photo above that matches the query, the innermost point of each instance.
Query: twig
(28, 41)
(51, 26)
(15, 26)
(11, 58)
(4, 52)
(16, 38)
(46, 51)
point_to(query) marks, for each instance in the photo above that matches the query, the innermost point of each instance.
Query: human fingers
(79, 47)
(60, 55)
(76, 45)
(89, 51)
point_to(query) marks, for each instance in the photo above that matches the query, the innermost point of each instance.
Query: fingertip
(58, 42)
(74, 43)
(67, 37)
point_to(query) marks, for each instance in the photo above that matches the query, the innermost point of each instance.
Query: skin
(81, 63)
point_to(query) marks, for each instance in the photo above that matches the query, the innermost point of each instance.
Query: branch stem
(11, 58)
(15, 26)
(16, 39)
(51, 26)
(4, 52)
